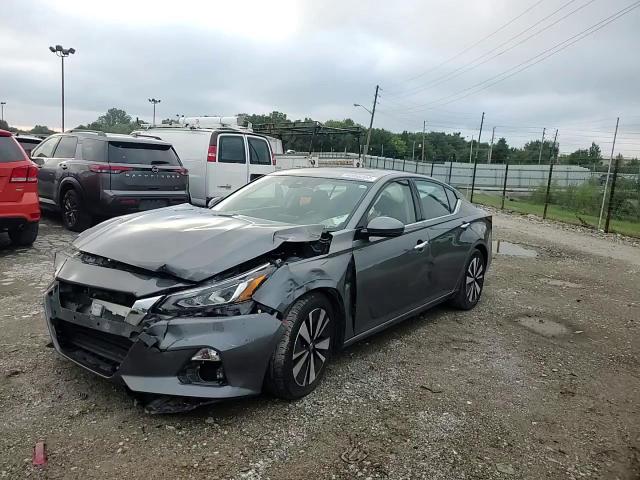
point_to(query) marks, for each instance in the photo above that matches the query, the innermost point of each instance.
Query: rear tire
(470, 288)
(299, 361)
(25, 235)
(74, 214)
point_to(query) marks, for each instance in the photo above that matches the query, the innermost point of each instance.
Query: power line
(526, 64)
(470, 47)
(470, 65)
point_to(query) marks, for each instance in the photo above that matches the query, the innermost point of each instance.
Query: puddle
(543, 326)
(513, 249)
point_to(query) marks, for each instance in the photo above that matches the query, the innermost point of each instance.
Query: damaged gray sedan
(260, 290)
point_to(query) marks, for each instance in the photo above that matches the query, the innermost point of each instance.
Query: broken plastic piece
(40, 455)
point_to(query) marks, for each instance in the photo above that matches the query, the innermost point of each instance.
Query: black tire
(281, 379)
(74, 214)
(25, 235)
(471, 283)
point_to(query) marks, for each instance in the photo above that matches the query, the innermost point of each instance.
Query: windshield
(297, 200)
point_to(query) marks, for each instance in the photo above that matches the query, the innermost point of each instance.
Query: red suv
(19, 205)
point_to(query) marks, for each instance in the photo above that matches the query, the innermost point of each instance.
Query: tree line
(438, 146)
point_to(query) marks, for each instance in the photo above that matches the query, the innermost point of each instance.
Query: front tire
(470, 288)
(25, 235)
(74, 215)
(299, 361)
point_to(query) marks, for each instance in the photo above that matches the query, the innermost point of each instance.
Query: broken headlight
(215, 296)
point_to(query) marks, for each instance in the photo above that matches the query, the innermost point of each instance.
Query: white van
(219, 160)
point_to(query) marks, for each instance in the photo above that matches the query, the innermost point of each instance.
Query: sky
(440, 61)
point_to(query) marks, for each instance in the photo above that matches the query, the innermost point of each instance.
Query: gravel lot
(540, 381)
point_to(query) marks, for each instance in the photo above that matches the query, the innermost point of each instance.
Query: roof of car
(28, 137)
(349, 173)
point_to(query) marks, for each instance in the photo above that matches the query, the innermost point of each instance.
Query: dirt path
(540, 381)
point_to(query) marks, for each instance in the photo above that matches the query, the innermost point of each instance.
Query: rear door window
(46, 148)
(93, 150)
(433, 199)
(66, 148)
(232, 149)
(259, 152)
(142, 154)
(10, 151)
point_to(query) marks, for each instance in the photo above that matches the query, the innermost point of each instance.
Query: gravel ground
(540, 381)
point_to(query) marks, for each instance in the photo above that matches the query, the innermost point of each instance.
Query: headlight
(208, 298)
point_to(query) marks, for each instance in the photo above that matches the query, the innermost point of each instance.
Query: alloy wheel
(70, 210)
(311, 347)
(474, 279)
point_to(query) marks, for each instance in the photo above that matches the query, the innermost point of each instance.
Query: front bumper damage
(152, 357)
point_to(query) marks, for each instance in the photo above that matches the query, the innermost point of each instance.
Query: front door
(391, 273)
(42, 155)
(229, 172)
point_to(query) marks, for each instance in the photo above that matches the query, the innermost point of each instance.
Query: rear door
(261, 158)
(141, 168)
(42, 155)
(448, 246)
(228, 170)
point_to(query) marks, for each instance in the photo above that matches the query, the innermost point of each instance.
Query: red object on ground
(40, 455)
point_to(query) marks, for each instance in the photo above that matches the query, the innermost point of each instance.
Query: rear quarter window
(93, 150)
(142, 154)
(10, 151)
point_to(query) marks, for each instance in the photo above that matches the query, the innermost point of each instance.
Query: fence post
(504, 185)
(416, 167)
(432, 164)
(546, 198)
(613, 187)
(404, 160)
(450, 168)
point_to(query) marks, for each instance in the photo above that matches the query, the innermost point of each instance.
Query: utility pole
(552, 156)
(606, 183)
(471, 150)
(475, 162)
(424, 129)
(373, 112)
(413, 152)
(382, 150)
(493, 134)
(544, 130)
(2, 104)
(155, 102)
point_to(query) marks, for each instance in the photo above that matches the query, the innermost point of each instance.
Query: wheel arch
(67, 184)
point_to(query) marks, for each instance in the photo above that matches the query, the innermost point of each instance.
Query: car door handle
(465, 225)
(421, 245)
(228, 187)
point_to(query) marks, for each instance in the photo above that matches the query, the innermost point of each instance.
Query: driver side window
(395, 201)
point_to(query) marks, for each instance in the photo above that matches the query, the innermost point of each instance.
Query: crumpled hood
(191, 243)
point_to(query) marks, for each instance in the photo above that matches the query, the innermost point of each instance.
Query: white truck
(220, 154)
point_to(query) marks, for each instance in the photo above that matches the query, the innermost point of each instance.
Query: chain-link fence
(569, 193)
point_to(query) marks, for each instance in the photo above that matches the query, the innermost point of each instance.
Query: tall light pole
(2, 104)
(154, 101)
(62, 53)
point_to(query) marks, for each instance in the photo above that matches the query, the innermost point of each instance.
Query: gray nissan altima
(261, 289)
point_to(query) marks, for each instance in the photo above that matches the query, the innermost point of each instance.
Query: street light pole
(61, 52)
(372, 112)
(2, 104)
(154, 101)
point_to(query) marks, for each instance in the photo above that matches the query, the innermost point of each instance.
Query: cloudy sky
(443, 61)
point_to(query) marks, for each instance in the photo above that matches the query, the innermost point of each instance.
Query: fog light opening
(210, 372)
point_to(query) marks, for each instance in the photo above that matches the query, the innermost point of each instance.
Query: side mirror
(385, 227)
(214, 201)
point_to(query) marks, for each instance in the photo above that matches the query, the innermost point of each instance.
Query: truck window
(231, 149)
(259, 152)
(66, 147)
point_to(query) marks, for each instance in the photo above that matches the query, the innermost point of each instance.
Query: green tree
(500, 151)
(41, 130)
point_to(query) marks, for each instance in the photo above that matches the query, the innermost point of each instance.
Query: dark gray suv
(88, 174)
